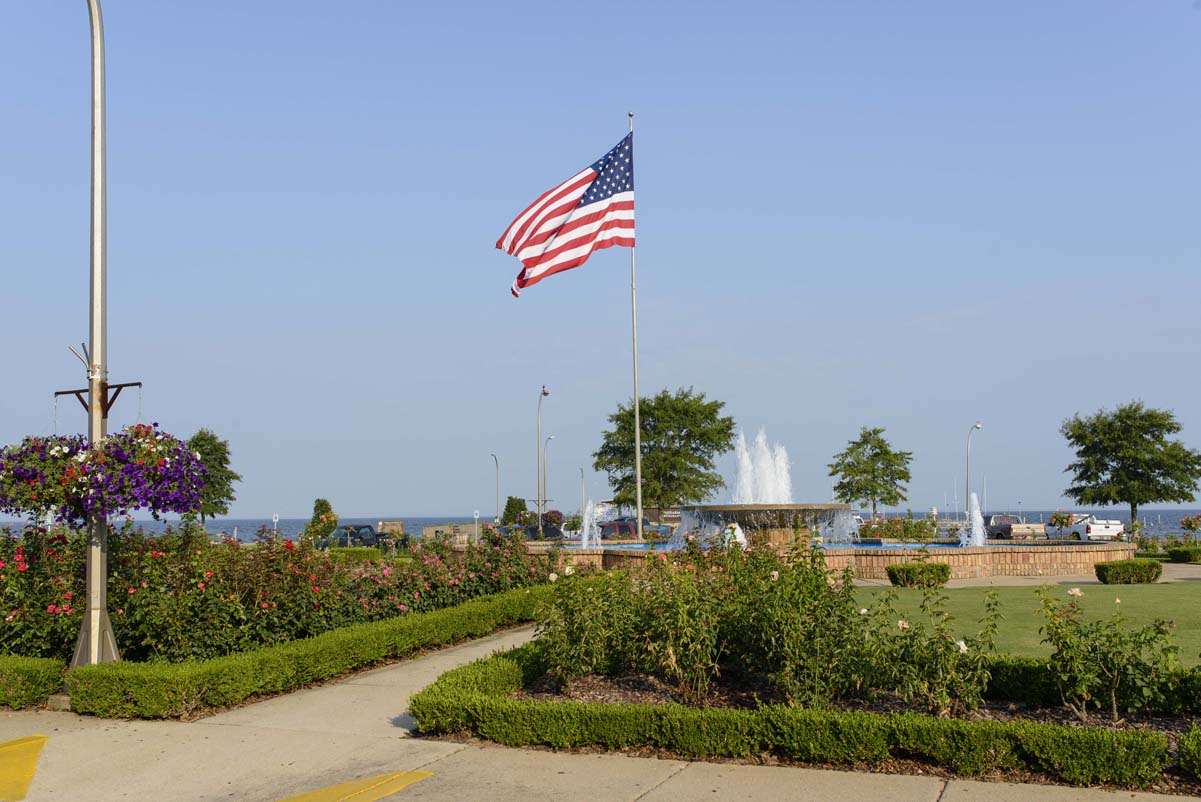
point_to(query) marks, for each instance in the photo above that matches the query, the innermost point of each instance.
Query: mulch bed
(642, 689)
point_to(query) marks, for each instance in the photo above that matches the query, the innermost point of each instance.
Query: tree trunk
(873, 510)
(1133, 518)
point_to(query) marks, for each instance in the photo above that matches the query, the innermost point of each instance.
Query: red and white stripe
(555, 233)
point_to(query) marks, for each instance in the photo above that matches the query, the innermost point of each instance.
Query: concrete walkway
(359, 728)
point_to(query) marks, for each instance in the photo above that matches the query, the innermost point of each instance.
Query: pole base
(96, 630)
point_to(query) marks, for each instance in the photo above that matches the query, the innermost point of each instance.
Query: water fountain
(762, 505)
(973, 533)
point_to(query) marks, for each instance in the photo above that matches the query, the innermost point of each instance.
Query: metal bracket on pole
(106, 403)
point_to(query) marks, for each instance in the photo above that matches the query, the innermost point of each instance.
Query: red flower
(132, 591)
(201, 586)
(316, 589)
(264, 605)
(23, 567)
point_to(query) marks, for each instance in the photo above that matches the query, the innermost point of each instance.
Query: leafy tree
(1125, 457)
(219, 478)
(574, 522)
(681, 434)
(869, 470)
(513, 508)
(323, 523)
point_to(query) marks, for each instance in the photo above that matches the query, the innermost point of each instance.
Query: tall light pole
(583, 501)
(545, 471)
(538, 454)
(96, 643)
(496, 520)
(967, 484)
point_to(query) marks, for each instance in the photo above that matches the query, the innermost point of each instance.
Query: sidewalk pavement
(359, 728)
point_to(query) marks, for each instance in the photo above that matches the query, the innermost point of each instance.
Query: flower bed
(177, 597)
(748, 652)
(474, 699)
(181, 690)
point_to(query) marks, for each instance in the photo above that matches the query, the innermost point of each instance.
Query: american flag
(593, 209)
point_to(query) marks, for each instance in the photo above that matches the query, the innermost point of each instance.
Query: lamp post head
(545, 391)
(979, 425)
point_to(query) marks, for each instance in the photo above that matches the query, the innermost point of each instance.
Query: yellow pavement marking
(367, 789)
(18, 761)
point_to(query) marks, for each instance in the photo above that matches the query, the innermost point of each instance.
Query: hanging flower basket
(141, 468)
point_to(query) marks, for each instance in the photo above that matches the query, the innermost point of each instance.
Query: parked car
(354, 535)
(549, 532)
(618, 530)
(1001, 525)
(1087, 527)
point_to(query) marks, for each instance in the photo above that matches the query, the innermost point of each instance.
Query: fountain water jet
(763, 508)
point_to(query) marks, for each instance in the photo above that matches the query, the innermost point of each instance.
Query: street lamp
(967, 485)
(96, 643)
(538, 456)
(545, 471)
(496, 520)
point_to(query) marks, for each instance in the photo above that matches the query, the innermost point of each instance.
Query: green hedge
(1184, 554)
(1128, 572)
(473, 698)
(29, 681)
(174, 690)
(1190, 751)
(918, 575)
(356, 554)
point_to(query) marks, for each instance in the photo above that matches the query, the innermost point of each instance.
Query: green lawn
(1018, 631)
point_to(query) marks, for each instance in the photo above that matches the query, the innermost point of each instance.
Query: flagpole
(637, 420)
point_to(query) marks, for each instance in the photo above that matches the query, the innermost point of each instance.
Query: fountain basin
(776, 525)
(868, 561)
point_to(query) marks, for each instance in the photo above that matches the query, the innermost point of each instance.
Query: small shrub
(1104, 664)
(918, 574)
(1190, 751)
(1129, 572)
(1184, 554)
(355, 554)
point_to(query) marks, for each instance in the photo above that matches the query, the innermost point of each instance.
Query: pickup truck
(1087, 527)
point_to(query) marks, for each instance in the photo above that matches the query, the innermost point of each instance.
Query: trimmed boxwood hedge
(918, 575)
(29, 681)
(356, 554)
(1129, 572)
(1190, 751)
(175, 690)
(1184, 554)
(473, 698)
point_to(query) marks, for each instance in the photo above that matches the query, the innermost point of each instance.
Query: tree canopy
(681, 434)
(870, 470)
(1125, 457)
(219, 478)
(514, 506)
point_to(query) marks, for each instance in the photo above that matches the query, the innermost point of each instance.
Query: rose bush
(177, 596)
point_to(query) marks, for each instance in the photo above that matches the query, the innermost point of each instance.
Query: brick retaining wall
(966, 563)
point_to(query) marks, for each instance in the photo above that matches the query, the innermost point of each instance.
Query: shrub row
(918, 575)
(29, 681)
(1029, 681)
(1185, 554)
(473, 698)
(1138, 571)
(175, 690)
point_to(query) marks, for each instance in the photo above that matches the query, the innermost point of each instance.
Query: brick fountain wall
(966, 563)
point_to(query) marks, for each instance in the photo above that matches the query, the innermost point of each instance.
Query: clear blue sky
(909, 215)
